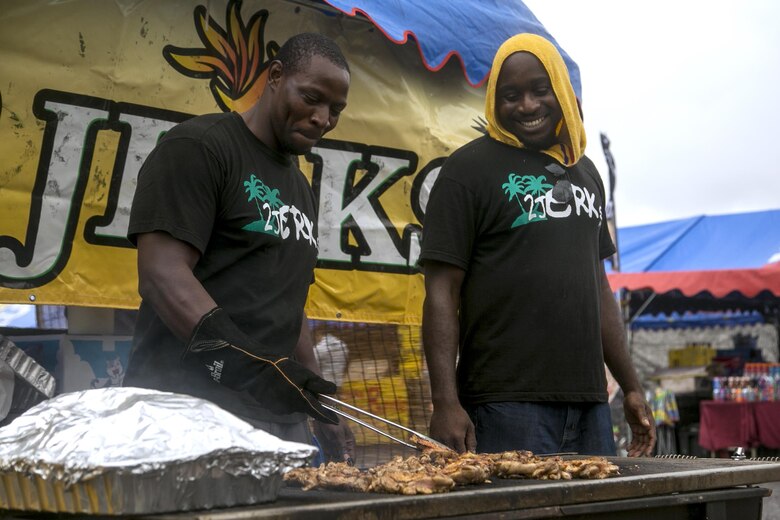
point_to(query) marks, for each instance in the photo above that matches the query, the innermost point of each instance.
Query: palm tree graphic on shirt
(267, 201)
(530, 187)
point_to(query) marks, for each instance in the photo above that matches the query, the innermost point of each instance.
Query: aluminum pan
(138, 451)
(26, 368)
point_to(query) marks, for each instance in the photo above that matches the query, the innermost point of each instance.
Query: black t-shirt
(530, 313)
(251, 213)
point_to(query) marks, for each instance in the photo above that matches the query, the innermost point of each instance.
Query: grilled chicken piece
(417, 483)
(333, 475)
(426, 445)
(440, 457)
(514, 468)
(594, 467)
(468, 472)
(438, 471)
(410, 476)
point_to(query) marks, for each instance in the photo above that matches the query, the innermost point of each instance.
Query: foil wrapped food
(32, 383)
(137, 451)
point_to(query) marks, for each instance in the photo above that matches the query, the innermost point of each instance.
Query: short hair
(299, 49)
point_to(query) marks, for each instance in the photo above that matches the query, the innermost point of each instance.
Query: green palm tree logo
(267, 200)
(530, 187)
(256, 189)
(272, 198)
(514, 187)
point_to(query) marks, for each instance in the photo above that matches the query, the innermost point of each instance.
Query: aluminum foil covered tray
(113, 451)
(32, 383)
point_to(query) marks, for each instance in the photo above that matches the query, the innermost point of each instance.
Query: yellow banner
(88, 87)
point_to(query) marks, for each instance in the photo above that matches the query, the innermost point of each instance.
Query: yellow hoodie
(570, 130)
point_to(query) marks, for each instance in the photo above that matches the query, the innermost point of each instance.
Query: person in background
(513, 244)
(332, 356)
(224, 223)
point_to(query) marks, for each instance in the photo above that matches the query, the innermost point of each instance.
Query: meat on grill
(439, 470)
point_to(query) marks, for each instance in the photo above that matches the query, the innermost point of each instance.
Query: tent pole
(628, 320)
(642, 308)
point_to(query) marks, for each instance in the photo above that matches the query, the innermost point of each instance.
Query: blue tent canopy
(676, 320)
(471, 31)
(718, 254)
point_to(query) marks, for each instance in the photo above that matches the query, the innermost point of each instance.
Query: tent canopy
(719, 254)
(443, 28)
(676, 320)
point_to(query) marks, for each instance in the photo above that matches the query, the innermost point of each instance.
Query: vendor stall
(702, 298)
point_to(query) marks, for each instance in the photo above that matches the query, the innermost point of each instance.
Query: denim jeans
(583, 428)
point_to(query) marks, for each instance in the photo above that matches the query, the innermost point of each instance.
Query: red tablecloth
(725, 425)
(767, 424)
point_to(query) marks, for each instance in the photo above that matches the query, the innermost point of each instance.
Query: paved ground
(771, 506)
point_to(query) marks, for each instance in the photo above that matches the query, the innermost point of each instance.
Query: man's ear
(274, 73)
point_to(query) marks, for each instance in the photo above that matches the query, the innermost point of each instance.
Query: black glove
(218, 348)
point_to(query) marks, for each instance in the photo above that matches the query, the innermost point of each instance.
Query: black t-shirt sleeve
(449, 224)
(606, 246)
(178, 192)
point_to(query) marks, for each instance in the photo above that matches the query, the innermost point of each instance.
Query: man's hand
(336, 440)
(219, 349)
(639, 417)
(452, 426)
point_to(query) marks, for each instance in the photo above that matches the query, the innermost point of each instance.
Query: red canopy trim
(719, 283)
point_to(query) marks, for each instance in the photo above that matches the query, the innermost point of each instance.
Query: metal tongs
(381, 419)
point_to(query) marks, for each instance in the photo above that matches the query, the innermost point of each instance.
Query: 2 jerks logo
(534, 195)
(277, 218)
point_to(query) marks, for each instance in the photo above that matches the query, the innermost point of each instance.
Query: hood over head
(570, 131)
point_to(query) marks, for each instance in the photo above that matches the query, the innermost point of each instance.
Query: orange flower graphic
(236, 60)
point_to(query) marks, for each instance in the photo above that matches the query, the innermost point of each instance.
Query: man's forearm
(613, 339)
(440, 341)
(441, 329)
(304, 348)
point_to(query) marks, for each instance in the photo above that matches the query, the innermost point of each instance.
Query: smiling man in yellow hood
(548, 82)
(514, 239)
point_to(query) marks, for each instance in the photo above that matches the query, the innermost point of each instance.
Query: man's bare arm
(166, 281)
(613, 337)
(449, 423)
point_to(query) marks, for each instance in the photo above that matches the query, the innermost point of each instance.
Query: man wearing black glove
(231, 358)
(224, 223)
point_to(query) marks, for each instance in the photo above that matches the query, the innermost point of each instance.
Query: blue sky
(688, 92)
(17, 315)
